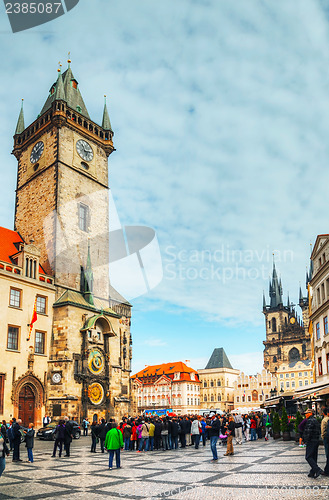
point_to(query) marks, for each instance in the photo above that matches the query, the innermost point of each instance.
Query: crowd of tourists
(154, 433)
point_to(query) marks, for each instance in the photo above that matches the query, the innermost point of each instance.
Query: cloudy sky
(221, 117)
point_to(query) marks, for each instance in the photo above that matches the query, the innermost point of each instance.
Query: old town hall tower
(62, 206)
(287, 338)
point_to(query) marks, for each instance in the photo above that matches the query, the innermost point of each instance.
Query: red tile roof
(9, 241)
(168, 369)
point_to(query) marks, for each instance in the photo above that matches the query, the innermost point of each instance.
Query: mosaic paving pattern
(258, 470)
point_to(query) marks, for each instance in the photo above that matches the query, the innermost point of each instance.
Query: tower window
(273, 325)
(83, 217)
(74, 84)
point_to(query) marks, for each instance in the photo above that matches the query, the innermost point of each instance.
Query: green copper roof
(90, 323)
(74, 298)
(67, 93)
(106, 124)
(20, 122)
(88, 280)
(218, 359)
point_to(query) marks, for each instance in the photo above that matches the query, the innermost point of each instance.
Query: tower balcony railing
(60, 110)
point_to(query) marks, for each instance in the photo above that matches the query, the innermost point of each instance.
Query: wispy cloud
(153, 342)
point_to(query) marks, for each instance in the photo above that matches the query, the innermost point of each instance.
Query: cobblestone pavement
(258, 470)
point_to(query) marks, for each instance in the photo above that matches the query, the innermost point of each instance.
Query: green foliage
(284, 421)
(276, 423)
(299, 419)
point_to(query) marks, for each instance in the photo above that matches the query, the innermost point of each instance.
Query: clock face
(96, 362)
(37, 151)
(96, 393)
(56, 378)
(84, 150)
(292, 320)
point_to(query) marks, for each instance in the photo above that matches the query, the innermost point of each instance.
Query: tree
(276, 423)
(284, 421)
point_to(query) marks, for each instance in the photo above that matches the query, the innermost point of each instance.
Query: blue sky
(221, 118)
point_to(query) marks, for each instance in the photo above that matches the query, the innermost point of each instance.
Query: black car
(48, 432)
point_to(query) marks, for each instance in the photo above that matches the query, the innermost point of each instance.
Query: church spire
(88, 281)
(106, 124)
(275, 290)
(20, 122)
(59, 92)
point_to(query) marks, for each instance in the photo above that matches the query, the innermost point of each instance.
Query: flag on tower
(34, 318)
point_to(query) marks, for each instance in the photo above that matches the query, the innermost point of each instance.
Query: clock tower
(62, 205)
(62, 185)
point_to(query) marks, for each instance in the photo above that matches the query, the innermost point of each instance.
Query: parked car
(48, 432)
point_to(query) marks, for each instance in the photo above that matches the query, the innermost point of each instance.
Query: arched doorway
(26, 405)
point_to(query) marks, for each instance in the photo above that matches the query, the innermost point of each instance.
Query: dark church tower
(287, 339)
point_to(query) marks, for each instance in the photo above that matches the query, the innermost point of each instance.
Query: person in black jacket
(174, 433)
(184, 429)
(311, 436)
(29, 442)
(68, 436)
(213, 430)
(94, 436)
(102, 431)
(59, 438)
(16, 440)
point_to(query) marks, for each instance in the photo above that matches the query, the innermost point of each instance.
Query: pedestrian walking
(3, 430)
(238, 428)
(157, 434)
(4, 451)
(85, 425)
(101, 434)
(164, 435)
(59, 438)
(94, 436)
(174, 434)
(46, 420)
(68, 436)
(253, 427)
(133, 438)
(213, 430)
(29, 442)
(203, 431)
(113, 443)
(267, 424)
(325, 437)
(16, 439)
(195, 432)
(10, 435)
(127, 435)
(144, 441)
(311, 436)
(230, 432)
(151, 436)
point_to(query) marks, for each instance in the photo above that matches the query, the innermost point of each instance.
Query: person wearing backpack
(113, 443)
(325, 437)
(29, 442)
(145, 436)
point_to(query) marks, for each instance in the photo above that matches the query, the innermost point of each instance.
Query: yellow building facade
(24, 355)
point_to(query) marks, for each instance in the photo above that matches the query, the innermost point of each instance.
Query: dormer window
(52, 90)
(74, 84)
(79, 109)
(30, 268)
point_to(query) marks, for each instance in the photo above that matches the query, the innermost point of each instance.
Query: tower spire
(106, 124)
(275, 289)
(20, 122)
(59, 92)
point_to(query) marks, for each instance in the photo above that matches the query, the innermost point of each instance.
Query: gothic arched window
(294, 354)
(273, 325)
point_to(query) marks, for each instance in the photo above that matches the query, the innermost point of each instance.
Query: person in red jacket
(253, 427)
(133, 438)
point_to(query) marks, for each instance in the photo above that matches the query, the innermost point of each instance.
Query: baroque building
(62, 204)
(168, 387)
(217, 382)
(287, 336)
